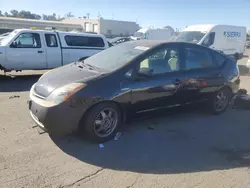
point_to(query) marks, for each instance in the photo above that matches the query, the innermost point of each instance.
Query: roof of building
(12, 19)
(93, 19)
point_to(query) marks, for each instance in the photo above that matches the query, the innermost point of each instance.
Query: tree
(6, 14)
(29, 15)
(14, 13)
(69, 15)
(36, 16)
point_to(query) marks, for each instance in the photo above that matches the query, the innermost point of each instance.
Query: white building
(109, 28)
(8, 23)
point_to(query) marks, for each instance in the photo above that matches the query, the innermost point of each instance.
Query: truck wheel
(101, 123)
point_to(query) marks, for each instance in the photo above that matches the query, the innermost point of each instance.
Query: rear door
(202, 75)
(27, 52)
(161, 89)
(54, 51)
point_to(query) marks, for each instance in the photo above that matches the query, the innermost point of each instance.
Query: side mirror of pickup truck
(13, 44)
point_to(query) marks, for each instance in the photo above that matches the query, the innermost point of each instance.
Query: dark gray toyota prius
(97, 95)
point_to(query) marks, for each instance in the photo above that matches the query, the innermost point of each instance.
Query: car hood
(61, 76)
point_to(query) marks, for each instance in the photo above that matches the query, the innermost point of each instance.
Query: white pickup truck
(27, 49)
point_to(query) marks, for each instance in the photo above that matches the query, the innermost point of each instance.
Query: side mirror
(145, 72)
(13, 44)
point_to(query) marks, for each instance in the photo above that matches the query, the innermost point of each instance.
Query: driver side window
(27, 40)
(163, 61)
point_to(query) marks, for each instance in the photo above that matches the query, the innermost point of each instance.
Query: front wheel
(102, 122)
(220, 101)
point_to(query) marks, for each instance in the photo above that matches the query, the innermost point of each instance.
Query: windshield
(138, 34)
(190, 36)
(7, 38)
(115, 57)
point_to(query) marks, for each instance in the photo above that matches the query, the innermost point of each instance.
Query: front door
(162, 87)
(26, 52)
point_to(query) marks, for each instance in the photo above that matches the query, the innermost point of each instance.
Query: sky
(156, 13)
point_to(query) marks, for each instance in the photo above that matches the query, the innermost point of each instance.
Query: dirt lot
(185, 150)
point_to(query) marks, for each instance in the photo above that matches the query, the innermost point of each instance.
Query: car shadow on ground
(17, 83)
(174, 143)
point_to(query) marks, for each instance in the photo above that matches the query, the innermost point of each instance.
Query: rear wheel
(102, 122)
(220, 101)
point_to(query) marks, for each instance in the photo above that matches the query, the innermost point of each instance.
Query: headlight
(64, 93)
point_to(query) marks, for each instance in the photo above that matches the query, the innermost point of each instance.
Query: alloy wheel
(221, 101)
(105, 122)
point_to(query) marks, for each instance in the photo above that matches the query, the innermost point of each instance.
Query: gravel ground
(183, 150)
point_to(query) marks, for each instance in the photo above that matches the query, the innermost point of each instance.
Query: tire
(89, 128)
(213, 103)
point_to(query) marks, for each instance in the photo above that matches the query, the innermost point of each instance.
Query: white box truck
(227, 39)
(152, 34)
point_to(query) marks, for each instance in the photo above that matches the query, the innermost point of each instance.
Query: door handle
(40, 52)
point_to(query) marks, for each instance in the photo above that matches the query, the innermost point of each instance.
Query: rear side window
(84, 41)
(51, 40)
(196, 58)
(219, 58)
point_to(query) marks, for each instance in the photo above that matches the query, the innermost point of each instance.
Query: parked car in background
(30, 49)
(228, 39)
(96, 96)
(118, 40)
(153, 34)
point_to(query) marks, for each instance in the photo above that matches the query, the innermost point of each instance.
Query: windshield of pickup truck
(115, 57)
(190, 36)
(7, 38)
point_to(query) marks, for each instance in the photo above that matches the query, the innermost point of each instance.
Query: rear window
(84, 41)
